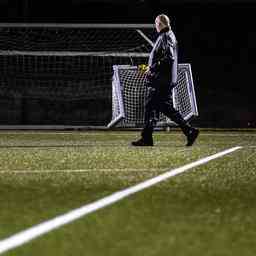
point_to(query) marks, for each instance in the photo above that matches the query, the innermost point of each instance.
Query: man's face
(158, 25)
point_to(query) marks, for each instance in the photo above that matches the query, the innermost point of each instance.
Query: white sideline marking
(77, 171)
(103, 133)
(29, 234)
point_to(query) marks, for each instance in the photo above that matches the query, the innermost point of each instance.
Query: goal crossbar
(76, 25)
(74, 53)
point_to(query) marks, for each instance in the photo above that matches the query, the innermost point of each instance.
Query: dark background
(217, 37)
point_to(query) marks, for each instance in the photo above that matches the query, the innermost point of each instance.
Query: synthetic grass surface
(209, 210)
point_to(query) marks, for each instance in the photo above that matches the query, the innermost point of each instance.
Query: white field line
(29, 234)
(77, 171)
(103, 133)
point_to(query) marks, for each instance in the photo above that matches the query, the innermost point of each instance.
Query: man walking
(161, 79)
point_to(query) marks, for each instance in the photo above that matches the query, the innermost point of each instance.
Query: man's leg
(190, 132)
(150, 122)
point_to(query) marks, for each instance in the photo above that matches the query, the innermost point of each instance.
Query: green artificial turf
(208, 210)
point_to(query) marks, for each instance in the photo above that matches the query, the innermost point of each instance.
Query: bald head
(161, 22)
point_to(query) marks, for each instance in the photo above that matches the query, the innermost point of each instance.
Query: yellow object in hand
(143, 67)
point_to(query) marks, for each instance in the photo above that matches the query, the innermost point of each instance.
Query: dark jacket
(163, 60)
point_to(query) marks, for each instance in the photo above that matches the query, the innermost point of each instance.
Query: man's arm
(167, 58)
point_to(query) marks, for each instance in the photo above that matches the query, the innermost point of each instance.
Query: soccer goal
(128, 96)
(61, 74)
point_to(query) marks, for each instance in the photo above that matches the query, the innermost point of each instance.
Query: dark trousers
(160, 101)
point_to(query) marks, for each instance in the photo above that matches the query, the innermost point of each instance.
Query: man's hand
(147, 70)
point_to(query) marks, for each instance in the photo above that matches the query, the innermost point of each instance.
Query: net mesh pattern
(181, 94)
(73, 39)
(64, 62)
(65, 77)
(43, 68)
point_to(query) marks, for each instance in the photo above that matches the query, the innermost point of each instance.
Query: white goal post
(128, 96)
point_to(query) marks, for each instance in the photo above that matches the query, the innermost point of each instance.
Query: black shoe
(142, 143)
(191, 137)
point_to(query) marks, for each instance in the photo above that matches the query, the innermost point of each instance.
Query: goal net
(128, 96)
(61, 74)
